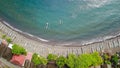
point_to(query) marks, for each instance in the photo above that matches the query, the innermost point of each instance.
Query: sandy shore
(33, 44)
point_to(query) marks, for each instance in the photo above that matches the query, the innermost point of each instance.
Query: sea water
(63, 20)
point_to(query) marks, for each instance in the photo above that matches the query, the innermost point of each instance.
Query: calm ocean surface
(63, 20)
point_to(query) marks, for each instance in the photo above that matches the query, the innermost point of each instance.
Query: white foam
(96, 3)
(99, 39)
(44, 40)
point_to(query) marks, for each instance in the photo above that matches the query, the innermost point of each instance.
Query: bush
(52, 57)
(115, 59)
(61, 61)
(78, 63)
(18, 50)
(106, 59)
(9, 40)
(3, 36)
(84, 61)
(36, 59)
(71, 60)
(43, 60)
(97, 59)
(87, 60)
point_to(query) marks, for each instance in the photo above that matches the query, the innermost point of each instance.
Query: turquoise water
(63, 20)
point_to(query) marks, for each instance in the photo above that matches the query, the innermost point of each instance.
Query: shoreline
(41, 40)
(44, 48)
(24, 33)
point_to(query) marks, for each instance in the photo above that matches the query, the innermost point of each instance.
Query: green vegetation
(115, 59)
(52, 57)
(86, 60)
(71, 59)
(3, 36)
(96, 59)
(61, 61)
(81, 61)
(18, 50)
(36, 59)
(106, 59)
(8, 39)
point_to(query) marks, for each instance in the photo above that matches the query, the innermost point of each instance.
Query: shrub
(9, 40)
(18, 50)
(106, 59)
(52, 57)
(115, 59)
(97, 59)
(61, 61)
(36, 59)
(43, 60)
(78, 63)
(3, 36)
(85, 60)
(71, 60)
